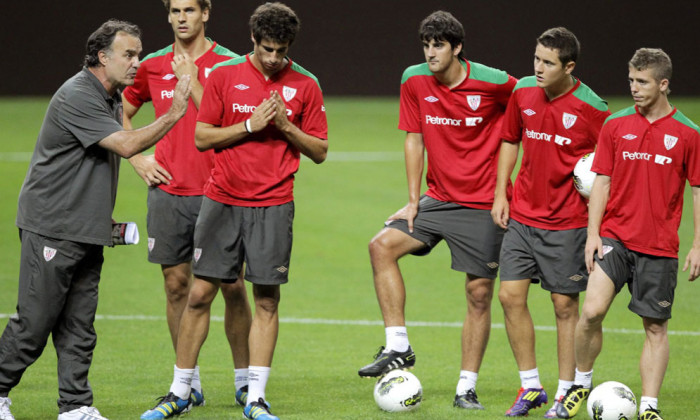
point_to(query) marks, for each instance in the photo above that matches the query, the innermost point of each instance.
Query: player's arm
(500, 212)
(414, 150)
(692, 261)
(310, 146)
(600, 193)
(183, 64)
(209, 136)
(145, 166)
(127, 143)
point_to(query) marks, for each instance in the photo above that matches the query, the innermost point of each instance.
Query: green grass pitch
(330, 320)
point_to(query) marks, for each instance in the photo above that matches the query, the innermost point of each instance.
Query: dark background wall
(360, 47)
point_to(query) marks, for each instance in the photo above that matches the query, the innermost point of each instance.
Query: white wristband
(247, 126)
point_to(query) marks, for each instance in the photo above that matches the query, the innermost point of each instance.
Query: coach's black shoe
(386, 361)
(468, 401)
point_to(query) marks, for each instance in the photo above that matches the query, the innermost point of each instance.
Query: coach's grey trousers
(58, 284)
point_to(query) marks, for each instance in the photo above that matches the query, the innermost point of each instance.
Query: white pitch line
(364, 322)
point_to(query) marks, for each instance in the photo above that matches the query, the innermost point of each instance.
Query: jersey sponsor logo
(49, 253)
(662, 160)
(197, 254)
(167, 94)
(289, 112)
(288, 93)
(629, 137)
(561, 140)
(635, 156)
(474, 101)
(242, 87)
(151, 244)
(244, 108)
(568, 120)
(168, 76)
(431, 99)
(207, 70)
(529, 112)
(670, 141)
(472, 122)
(429, 119)
(536, 135)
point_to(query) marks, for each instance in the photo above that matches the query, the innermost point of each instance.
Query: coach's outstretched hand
(181, 97)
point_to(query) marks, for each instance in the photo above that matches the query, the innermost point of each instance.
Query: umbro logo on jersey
(492, 265)
(431, 99)
(288, 93)
(242, 87)
(664, 304)
(629, 137)
(474, 101)
(670, 141)
(529, 112)
(169, 76)
(282, 269)
(576, 277)
(49, 253)
(568, 119)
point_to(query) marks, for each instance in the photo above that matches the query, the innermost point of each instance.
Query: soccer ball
(398, 390)
(612, 401)
(583, 177)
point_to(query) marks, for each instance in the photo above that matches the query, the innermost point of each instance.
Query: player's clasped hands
(270, 109)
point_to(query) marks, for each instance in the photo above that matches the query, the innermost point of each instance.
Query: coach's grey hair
(103, 37)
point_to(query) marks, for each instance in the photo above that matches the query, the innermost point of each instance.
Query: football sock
(182, 382)
(467, 381)
(196, 382)
(563, 387)
(396, 339)
(585, 379)
(530, 378)
(257, 381)
(648, 402)
(241, 378)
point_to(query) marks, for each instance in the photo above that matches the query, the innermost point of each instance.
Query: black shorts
(474, 240)
(170, 223)
(227, 236)
(553, 257)
(651, 280)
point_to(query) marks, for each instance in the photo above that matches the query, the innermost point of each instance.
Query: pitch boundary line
(363, 322)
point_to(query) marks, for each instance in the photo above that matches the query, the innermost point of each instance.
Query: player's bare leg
(588, 340)
(237, 321)
(566, 313)
(655, 355)
(177, 280)
(519, 326)
(194, 324)
(265, 325)
(477, 322)
(385, 249)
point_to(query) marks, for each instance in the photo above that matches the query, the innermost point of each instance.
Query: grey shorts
(227, 236)
(474, 240)
(651, 280)
(170, 223)
(555, 258)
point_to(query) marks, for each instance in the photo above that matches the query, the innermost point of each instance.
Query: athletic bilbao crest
(474, 101)
(670, 141)
(151, 244)
(49, 253)
(207, 70)
(288, 93)
(197, 254)
(569, 120)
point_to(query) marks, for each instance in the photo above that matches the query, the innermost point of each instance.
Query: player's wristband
(247, 126)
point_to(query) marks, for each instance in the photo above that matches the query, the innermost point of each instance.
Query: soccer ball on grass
(398, 390)
(583, 177)
(612, 401)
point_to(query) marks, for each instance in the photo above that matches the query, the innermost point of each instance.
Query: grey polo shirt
(71, 185)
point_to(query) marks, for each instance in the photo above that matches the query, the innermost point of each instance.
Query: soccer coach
(65, 215)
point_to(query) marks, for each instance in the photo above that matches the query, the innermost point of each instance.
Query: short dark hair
(103, 37)
(564, 41)
(276, 22)
(442, 26)
(203, 4)
(655, 59)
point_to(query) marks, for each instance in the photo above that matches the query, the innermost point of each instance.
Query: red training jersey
(259, 169)
(554, 135)
(648, 164)
(176, 151)
(460, 127)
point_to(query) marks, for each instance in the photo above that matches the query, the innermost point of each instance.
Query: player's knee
(591, 316)
(510, 300)
(565, 306)
(177, 285)
(480, 297)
